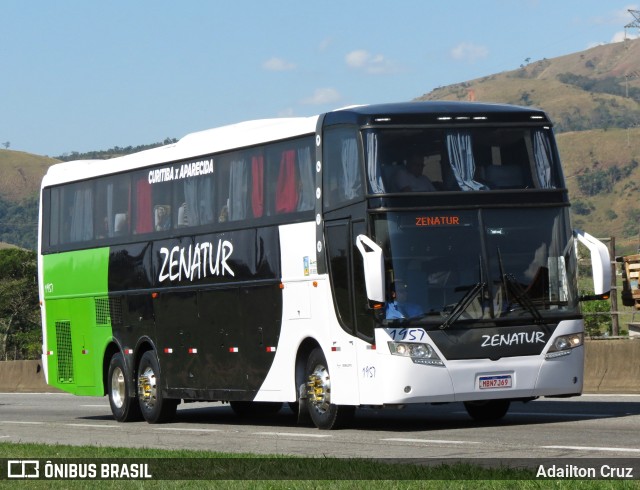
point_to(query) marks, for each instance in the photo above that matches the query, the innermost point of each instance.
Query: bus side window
(281, 183)
(78, 204)
(161, 209)
(54, 217)
(342, 175)
(143, 214)
(238, 187)
(193, 201)
(222, 180)
(306, 194)
(286, 187)
(292, 176)
(113, 206)
(257, 185)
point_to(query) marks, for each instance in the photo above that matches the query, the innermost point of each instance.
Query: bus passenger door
(347, 280)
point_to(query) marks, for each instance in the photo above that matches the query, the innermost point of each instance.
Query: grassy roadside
(276, 472)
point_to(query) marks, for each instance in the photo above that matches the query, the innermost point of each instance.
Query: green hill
(19, 186)
(597, 88)
(593, 97)
(21, 174)
(602, 171)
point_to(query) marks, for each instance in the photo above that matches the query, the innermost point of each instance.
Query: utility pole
(635, 24)
(632, 25)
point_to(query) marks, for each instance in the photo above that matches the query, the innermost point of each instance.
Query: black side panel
(177, 321)
(492, 343)
(130, 267)
(131, 305)
(211, 304)
(242, 328)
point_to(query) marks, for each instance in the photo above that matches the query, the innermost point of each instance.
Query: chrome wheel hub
(118, 388)
(147, 388)
(319, 389)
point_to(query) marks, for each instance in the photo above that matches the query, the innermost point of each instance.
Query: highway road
(591, 426)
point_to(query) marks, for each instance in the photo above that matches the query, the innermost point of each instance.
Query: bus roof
(193, 145)
(250, 133)
(437, 113)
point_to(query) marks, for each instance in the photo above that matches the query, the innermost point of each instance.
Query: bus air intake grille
(115, 305)
(108, 311)
(65, 352)
(103, 314)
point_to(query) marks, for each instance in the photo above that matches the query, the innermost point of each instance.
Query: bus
(372, 256)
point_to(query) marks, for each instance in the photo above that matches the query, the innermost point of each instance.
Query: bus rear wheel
(123, 407)
(155, 408)
(324, 414)
(487, 410)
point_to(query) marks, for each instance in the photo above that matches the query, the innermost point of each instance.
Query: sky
(83, 75)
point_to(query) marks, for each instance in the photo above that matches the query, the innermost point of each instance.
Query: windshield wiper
(462, 305)
(521, 296)
(512, 287)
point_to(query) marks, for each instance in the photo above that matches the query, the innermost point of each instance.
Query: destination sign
(437, 220)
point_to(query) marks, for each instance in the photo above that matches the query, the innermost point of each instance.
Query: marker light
(419, 353)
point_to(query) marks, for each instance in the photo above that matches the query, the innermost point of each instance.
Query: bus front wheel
(324, 414)
(487, 410)
(123, 407)
(155, 408)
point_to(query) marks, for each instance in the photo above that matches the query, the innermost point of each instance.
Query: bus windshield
(489, 265)
(455, 159)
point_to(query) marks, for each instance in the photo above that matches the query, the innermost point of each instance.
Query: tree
(597, 319)
(19, 311)
(6, 145)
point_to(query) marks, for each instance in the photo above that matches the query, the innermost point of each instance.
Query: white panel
(296, 301)
(298, 251)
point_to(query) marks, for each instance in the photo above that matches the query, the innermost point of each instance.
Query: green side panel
(77, 319)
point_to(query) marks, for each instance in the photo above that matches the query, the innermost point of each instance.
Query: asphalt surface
(591, 426)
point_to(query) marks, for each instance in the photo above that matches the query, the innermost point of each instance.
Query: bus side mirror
(600, 265)
(373, 268)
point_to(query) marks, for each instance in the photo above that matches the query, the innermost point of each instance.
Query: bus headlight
(562, 345)
(419, 353)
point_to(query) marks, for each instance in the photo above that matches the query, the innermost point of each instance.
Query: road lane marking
(588, 448)
(594, 395)
(176, 429)
(99, 426)
(292, 434)
(547, 414)
(20, 422)
(428, 441)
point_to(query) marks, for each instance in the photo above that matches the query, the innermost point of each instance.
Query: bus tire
(155, 408)
(487, 410)
(123, 407)
(324, 414)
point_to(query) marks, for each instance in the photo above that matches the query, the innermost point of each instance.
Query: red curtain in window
(287, 190)
(144, 214)
(257, 185)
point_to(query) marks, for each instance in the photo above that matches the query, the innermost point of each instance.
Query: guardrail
(612, 365)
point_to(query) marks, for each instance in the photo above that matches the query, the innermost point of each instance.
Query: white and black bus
(375, 255)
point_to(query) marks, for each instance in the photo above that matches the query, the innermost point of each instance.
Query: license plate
(496, 381)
